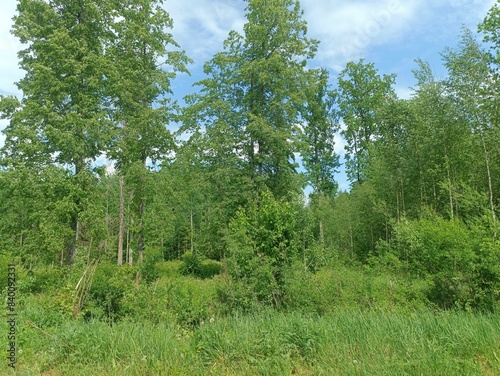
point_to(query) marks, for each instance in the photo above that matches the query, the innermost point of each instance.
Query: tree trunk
(140, 232)
(72, 247)
(191, 227)
(450, 192)
(130, 235)
(75, 222)
(122, 217)
(321, 231)
(490, 187)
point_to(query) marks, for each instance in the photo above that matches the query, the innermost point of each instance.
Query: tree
(318, 137)
(252, 96)
(61, 118)
(470, 83)
(442, 138)
(490, 28)
(361, 93)
(145, 58)
(263, 241)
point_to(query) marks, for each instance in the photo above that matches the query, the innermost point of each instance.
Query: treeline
(424, 171)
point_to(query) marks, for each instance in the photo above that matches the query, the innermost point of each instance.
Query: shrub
(462, 268)
(147, 269)
(263, 240)
(110, 283)
(168, 268)
(193, 264)
(210, 268)
(302, 292)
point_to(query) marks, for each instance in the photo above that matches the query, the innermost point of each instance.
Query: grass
(268, 343)
(343, 321)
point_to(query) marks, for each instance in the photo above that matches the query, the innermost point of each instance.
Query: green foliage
(210, 268)
(303, 294)
(249, 104)
(263, 241)
(148, 271)
(196, 265)
(190, 301)
(109, 286)
(349, 283)
(269, 343)
(317, 256)
(169, 269)
(362, 93)
(461, 267)
(318, 137)
(185, 302)
(191, 264)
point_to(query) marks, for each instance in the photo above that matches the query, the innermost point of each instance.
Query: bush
(147, 302)
(263, 241)
(169, 269)
(148, 271)
(210, 268)
(193, 264)
(302, 292)
(109, 285)
(462, 269)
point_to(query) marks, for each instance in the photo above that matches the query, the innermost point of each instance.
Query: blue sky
(389, 33)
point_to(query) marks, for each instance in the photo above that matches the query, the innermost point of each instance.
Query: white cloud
(110, 170)
(9, 45)
(340, 144)
(403, 92)
(3, 124)
(201, 26)
(347, 29)
(441, 20)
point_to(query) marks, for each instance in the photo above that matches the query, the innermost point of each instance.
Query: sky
(389, 33)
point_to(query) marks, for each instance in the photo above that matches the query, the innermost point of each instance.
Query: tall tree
(145, 59)
(471, 84)
(445, 160)
(318, 137)
(254, 90)
(362, 91)
(61, 118)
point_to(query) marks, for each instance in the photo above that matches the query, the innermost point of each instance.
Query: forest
(197, 251)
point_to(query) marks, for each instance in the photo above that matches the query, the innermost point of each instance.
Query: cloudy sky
(389, 33)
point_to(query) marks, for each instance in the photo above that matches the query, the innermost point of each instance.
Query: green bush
(148, 302)
(263, 241)
(169, 269)
(148, 271)
(47, 278)
(302, 292)
(193, 264)
(210, 268)
(109, 285)
(461, 267)
(185, 301)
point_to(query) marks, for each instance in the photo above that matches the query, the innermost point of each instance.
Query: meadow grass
(341, 321)
(268, 343)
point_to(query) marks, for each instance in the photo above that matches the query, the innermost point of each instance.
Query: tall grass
(340, 321)
(269, 343)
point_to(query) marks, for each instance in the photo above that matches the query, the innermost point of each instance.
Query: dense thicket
(424, 171)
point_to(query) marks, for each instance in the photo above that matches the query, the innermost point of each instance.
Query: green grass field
(346, 343)
(173, 326)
